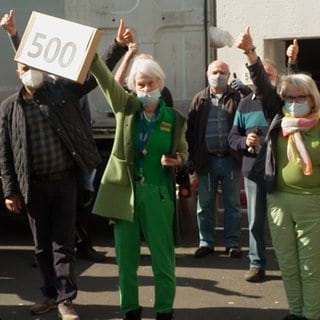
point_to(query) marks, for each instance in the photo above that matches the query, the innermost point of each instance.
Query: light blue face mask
(296, 109)
(148, 98)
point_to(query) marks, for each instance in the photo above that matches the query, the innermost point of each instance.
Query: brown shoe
(255, 275)
(43, 306)
(66, 310)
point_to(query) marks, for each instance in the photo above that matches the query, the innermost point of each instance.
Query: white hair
(150, 68)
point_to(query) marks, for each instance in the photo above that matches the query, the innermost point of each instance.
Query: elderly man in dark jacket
(84, 246)
(45, 144)
(210, 119)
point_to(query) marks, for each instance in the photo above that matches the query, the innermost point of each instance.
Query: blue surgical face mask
(148, 98)
(297, 109)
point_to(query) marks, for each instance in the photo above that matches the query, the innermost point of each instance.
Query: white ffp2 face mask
(218, 81)
(32, 79)
(148, 98)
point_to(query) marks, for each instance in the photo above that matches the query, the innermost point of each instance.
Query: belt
(219, 155)
(55, 176)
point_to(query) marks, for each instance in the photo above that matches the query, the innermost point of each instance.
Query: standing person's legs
(295, 232)
(84, 245)
(63, 206)
(230, 183)
(40, 223)
(206, 207)
(307, 226)
(157, 216)
(127, 245)
(256, 210)
(284, 239)
(83, 239)
(51, 211)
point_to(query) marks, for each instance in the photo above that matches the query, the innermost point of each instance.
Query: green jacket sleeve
(114, 93)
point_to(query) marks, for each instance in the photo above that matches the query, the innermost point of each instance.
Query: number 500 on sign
(58, 46)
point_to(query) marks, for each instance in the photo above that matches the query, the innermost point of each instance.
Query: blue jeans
(257, 212)
(229, 177)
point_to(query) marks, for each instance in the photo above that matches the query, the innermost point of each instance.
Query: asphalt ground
(209, 288)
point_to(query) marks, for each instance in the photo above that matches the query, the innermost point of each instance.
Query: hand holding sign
(58, 46)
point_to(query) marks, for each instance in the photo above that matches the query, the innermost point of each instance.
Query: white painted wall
(271, 21)
(170, 30)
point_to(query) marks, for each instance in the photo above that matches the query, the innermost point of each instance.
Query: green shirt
(159, 142)
(290, 177)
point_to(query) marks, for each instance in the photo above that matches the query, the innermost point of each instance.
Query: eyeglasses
(298, 99)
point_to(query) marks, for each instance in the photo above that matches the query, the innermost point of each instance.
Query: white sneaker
(66, 310)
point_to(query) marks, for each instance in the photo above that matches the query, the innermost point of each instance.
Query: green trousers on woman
(153, 217)
(294, 221)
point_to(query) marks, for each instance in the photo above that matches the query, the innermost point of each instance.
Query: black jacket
(58, 101)
(197, 125)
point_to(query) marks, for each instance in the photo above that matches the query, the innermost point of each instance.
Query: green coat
(115, 198)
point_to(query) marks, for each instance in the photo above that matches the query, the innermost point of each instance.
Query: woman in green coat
(137, 190)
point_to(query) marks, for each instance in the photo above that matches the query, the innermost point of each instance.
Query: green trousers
(294, 222)
(153, 216)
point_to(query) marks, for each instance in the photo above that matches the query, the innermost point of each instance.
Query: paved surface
(208, 288)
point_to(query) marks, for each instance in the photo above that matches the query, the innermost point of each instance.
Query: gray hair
(304, 83)
(150, 68)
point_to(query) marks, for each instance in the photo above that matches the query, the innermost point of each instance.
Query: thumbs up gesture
(8, 23)
(292, 51)
(245, 41)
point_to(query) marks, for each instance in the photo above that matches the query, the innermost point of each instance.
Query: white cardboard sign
(58, 46)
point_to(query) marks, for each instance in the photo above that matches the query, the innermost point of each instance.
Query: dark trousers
(83, 238)
(51, 212)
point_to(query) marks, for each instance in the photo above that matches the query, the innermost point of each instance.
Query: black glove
(238, 85)
(189, 167)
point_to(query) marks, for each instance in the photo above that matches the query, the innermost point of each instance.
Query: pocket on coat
(117, 171)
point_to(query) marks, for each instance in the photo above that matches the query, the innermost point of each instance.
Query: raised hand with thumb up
(292, 51)
(245, 43)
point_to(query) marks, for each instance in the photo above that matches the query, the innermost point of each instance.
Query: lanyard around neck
(144, 136)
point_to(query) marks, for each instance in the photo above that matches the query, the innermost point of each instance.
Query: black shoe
(233, 252)
(165, 316)
(255, 275)
(88, 253)
(203, 251)
(133, 314)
